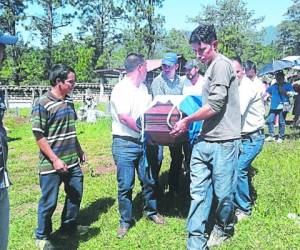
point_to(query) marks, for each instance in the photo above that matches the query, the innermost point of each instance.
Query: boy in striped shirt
(53, 125)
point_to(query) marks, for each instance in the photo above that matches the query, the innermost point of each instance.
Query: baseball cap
(191, 64)
(169, 59)
(7, 39)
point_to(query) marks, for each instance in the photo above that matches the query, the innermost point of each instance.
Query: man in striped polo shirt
(53, 125)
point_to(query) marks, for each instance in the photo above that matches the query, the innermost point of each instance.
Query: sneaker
(279, 140)
(44, 244)
(215, 239)
(270, 138)
(122, 231)
(157, 219)
(82, 230)
(240, 215)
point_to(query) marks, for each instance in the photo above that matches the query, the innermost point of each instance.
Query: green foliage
(48, 23)
(235, 25)
(145, 29)
(100, 19)
(65, 51)
(6, 72)
(110, 29)
(289, 33)
(77, 55)
(260, 54)
(32, 65)
(84, 67)
(177, 41)
(11, 13)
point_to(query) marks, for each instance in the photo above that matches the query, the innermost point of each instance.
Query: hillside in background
(271, 35)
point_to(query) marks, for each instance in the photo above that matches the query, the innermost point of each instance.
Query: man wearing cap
(193, 81)
(169, 83)
(4, 179)
(129, 99)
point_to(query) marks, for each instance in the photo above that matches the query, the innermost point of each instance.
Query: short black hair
(132, 61)
(205, 33)
(237, 59)
(279, 73)
(59, 72)
(248, 65)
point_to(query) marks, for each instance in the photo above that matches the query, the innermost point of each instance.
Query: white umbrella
(293, 59)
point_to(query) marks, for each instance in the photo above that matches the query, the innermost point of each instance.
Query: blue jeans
(213, 166)
(4, 218)
(252, 146)
(271, 119)
(49, 184)
(129, 156)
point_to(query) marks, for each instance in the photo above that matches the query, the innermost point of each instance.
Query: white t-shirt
(251, 105)
(126, 98)
(190, 89)
(259, 84)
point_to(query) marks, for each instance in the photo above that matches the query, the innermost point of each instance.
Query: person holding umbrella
(279, 92)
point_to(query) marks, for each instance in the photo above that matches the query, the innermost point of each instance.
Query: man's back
(252, 106)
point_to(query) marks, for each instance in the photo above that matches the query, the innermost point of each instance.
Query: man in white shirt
(252, 112)
(129, 99)
(193, 81)
(250, 71)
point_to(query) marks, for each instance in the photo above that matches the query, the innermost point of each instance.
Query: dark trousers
(155, 156)
(49, 184)
(175, 167)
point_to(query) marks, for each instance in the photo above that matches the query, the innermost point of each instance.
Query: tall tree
(235, 24)
(11, 13)
(77, 55)
(289, 33)
(145, 27)
(177, 41)
(53, 18)
(100, 20)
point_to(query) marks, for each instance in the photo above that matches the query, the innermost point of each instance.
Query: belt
(128, 138)
(220, 141)
(254, 133)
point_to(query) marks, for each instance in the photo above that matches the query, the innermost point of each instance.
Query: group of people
(232, 135)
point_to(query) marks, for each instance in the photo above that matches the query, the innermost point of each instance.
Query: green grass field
(277, 183)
